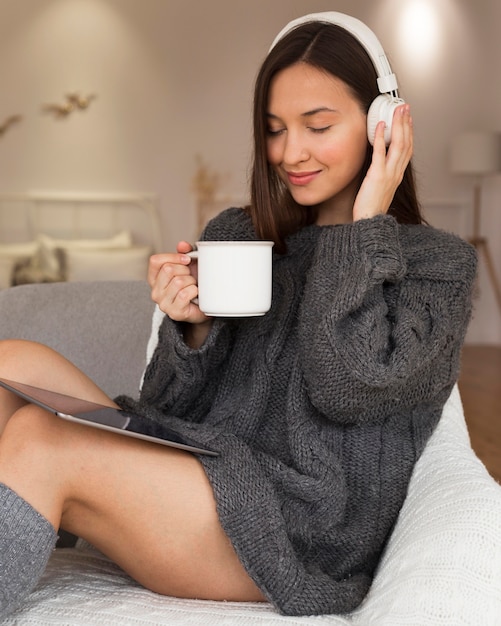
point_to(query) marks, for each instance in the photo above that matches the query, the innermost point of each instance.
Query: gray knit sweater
(320, 408)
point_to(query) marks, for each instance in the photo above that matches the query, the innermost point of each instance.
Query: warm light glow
(419, 33)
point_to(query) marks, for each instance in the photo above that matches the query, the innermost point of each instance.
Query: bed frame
(72, 215)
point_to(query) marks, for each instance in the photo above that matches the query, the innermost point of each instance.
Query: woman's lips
(301, 178)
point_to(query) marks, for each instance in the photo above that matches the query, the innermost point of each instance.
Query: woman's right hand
(173, 282)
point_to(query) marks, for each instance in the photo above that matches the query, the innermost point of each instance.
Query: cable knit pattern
(320, 408)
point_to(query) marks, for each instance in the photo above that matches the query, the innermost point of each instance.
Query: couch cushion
(82, 587)
(103, 327)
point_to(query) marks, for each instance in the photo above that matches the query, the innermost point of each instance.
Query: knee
(32, 453)
(32, 461)
(31, 431)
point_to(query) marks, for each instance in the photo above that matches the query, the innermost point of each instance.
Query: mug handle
(194, 255)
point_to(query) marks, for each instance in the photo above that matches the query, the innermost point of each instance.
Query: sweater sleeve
(181, 380)
(177, 378)
(384, 315)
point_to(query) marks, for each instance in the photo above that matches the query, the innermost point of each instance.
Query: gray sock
(26, 543)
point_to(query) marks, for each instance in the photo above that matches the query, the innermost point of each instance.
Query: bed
(70, 236)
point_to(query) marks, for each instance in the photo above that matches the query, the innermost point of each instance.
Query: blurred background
(163, 90)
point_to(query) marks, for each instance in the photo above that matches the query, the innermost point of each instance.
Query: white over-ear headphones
(384, 106)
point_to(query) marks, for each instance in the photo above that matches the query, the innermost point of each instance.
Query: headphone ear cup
(382, 110)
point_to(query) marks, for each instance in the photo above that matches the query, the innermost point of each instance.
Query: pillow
(18, 250)
(113, 264)
(121, 240)
(52, 253)
(10, 255)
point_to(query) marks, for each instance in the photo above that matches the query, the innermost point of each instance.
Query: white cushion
(53, 253)
(156, 322)
(45, 258)
(442, 565)
(107, 264)
(122, 239)
(18, 250)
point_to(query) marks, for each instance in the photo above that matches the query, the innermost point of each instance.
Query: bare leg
(36, 364)
(149, 508)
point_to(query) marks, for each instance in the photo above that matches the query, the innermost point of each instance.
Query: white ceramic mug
(234, 277)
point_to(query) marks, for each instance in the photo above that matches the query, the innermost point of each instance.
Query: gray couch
(102, 327)
(442, 564)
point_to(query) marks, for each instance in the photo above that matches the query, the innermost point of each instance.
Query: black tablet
(104, 417)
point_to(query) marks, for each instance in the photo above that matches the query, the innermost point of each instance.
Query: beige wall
(174, 79)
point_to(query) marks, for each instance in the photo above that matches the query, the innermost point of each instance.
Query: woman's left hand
(387, 168)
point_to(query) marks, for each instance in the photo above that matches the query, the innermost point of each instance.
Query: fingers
(184, 246)
(173, 284)
(169, 275)
(159, 262)
(402, 136)
(379, 145)
(394, 161)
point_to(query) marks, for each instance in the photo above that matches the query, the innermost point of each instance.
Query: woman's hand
(174, 285)
(387, 168)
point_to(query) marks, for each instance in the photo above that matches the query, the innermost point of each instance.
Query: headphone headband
(387, 81)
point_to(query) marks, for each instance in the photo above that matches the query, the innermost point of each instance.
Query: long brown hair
(332, 49)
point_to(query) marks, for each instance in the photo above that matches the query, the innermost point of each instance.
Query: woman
(319, 409)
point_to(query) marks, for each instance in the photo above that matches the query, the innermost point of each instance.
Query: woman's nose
(295, 150)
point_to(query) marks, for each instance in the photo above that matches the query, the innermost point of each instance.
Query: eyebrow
(308, 113)
(319, 110)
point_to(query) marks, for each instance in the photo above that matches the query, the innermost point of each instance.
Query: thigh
(151, 509)
(36, 364)
(39, 365)
(148, 507)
